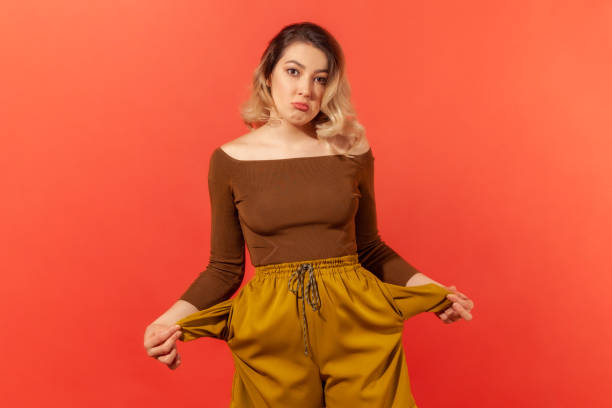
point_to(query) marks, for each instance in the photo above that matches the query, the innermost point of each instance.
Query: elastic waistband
(318, 265)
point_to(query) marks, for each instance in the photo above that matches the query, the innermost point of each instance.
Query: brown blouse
(287, 210)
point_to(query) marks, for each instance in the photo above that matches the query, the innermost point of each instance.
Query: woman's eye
(322, 80)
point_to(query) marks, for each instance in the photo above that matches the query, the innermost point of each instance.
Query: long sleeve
(373, 253)
(225, 270)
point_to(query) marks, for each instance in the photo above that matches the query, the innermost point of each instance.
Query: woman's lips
(301, 106)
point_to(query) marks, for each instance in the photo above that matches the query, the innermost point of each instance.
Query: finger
(451, 315)
(168, 358)
(445, 313)
(176, 362)
(458, 294)
(454, 317)
(162, 348)
(453, 288)
(466, 303)
(464, 313)
(449, 318)
(177, 359)
(461, 295)
(165, 347)
(159, 336)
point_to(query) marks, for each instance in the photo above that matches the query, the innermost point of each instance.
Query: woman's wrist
(176, 312)
(420, 279)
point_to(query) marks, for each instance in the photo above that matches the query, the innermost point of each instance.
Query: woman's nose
(304, 89)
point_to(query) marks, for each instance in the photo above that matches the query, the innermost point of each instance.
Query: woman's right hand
(160, 343)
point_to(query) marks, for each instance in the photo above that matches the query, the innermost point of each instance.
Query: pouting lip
(301, 105)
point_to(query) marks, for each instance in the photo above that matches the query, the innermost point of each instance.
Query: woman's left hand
(461, 307)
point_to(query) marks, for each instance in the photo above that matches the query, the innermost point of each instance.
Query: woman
(298, 190)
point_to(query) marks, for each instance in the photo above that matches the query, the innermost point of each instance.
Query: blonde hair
(337, 115)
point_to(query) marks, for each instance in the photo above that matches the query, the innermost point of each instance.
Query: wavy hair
(336, 115)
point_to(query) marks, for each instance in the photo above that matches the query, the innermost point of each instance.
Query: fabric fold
(210, 322)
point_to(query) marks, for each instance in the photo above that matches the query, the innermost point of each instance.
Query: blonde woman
(320, 323)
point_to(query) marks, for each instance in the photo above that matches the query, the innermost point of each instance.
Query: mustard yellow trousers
(317, 333)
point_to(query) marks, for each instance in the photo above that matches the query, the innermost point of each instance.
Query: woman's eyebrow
(302, 66)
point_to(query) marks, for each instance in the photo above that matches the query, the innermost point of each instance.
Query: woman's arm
(218, 281)
(377, 257)
(226, 265)
(374, 254)
(176, 312)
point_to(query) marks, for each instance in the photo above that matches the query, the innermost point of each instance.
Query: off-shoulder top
(287, 210)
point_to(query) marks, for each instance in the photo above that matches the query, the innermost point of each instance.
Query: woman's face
(299, 76)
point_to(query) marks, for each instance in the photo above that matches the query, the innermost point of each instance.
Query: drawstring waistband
(323, 265)
(309, 291)
(311, 295)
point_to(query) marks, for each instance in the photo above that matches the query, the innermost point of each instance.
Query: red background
(491, 125)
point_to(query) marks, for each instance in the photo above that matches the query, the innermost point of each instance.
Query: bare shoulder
(240, 147)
